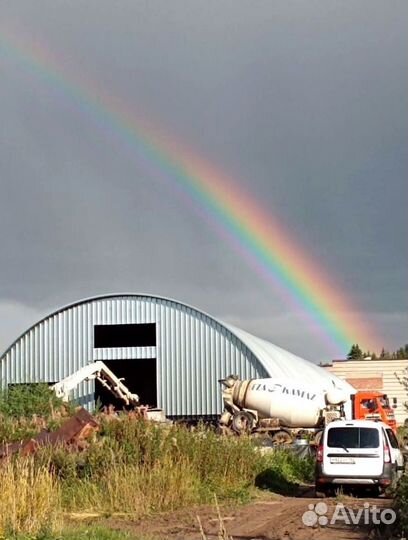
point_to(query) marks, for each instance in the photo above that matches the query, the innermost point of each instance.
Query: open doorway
(140, 376)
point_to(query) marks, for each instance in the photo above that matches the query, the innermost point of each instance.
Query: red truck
(371, 405)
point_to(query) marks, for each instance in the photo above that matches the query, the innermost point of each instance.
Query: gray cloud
(304, 103)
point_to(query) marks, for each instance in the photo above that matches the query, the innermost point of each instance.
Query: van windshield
(353, 437)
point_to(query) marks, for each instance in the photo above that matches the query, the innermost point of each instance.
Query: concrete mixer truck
(284, 409)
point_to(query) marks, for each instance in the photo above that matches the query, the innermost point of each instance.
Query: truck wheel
(224, 431)
(280, 438)
(243, 422)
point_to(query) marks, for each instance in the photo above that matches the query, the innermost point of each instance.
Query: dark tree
(355, 352)
(385, 355)
(401, 353)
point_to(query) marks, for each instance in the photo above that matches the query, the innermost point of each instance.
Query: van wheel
(321, 492)
(375, 492)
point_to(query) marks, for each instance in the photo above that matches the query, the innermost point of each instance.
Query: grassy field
(130, 468)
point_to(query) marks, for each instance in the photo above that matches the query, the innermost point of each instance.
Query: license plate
(342, 460)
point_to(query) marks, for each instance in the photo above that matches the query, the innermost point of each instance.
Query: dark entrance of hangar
(140, 376)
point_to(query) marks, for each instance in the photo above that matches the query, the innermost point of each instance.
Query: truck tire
(223, 431)
(281, 438)
(243, 422)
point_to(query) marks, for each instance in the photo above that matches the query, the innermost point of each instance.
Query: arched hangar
(169, 353)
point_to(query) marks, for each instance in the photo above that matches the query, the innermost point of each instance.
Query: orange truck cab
(370, 405)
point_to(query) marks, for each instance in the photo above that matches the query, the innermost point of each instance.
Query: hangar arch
(170, 353)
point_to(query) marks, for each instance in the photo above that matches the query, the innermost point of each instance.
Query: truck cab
(371, 405)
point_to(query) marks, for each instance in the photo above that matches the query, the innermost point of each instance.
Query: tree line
(357, 353)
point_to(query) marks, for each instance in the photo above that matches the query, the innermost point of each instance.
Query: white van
(357, 453)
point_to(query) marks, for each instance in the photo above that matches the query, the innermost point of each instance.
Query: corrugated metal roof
(281, 363)
(193, 351)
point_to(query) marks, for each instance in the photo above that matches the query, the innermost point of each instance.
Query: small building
(171, 354)
(382, 375)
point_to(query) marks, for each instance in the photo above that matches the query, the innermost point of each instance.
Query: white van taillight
(319, 454)
(387, 454)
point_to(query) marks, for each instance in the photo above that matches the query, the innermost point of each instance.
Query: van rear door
(353, 451)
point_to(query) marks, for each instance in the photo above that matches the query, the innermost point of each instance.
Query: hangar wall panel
(193, 351)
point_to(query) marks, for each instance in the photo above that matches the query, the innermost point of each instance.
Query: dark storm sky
(304, 104)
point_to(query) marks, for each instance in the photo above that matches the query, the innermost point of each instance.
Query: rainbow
(248, 228)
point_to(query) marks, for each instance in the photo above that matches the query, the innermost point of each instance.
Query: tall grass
(137, 468)
(135, 490)
(30, 501)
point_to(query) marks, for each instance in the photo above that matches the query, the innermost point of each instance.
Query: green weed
(283, 471)
(91, 532)
(401, 505)
(137, 468)
(26, 409)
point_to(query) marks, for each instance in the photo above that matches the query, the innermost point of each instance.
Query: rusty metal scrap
(78, 427)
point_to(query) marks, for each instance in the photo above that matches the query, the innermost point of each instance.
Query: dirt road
(281, 518)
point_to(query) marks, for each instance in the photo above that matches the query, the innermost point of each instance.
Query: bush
(401, 504)
(26, 409)
(283, 471)
(402, 435)
(26, 400)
